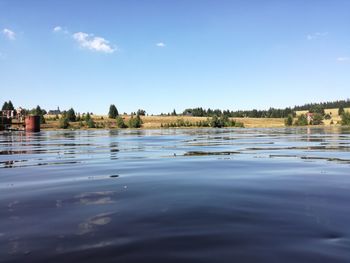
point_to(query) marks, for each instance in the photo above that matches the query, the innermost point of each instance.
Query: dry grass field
(155, 122)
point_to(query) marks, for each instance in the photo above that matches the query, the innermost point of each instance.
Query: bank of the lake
(156, 122)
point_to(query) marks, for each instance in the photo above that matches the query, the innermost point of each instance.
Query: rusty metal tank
(32, 123)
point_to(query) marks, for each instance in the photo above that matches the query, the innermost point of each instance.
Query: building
(54, 112)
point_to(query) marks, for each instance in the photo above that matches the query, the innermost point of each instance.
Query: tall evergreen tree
(10, 106)
(5, 105)
(39, 112)
(113, 112)
(71, 115)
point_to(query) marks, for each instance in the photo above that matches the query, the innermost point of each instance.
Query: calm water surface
(193, 195)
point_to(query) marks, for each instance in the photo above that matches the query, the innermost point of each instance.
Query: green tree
(120, 123)
(64, 123)
(90, 123)
(39, 112)
(288, 121)
(317, 119)
(340, 110)
(87, 117)
(71, 115)
(141, 112)
(135, 122)
(301, 121)
(216, 122)
(113, 112)
(174, 113)
(5, 106)
(317, 109)
(8, 106)
(345, 118)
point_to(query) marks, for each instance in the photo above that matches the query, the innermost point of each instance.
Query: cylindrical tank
(32, 123)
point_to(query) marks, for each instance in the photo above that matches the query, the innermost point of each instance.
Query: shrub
(345, 118)
(224, 121)
(317, 119)
(120, 123)
(239, 124)
(301, 121)
(90, 123)
(327, 117)
(340, 110)
(87, 117)
(216, 122)
(64, 123)
(288, 121)
(135, 122)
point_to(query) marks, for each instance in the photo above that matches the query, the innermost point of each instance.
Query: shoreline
(158, 122)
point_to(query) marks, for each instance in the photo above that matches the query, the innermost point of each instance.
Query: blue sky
(161, 55)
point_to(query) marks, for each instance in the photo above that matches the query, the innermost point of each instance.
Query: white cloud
(57, 29)
(316, 35)
(160, 44)
(343, 59)
(9, 34)
(89, 41)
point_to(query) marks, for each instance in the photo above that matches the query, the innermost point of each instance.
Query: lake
(177, 195)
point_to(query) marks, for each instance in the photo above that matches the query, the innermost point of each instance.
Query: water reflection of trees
(113, 144)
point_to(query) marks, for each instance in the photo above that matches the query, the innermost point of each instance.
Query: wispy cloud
(9, 34)
(57, 29)
(91, 42)
(160, 44)
(316, 35)
(343, 59)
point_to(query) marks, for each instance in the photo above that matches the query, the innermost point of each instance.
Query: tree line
(270, 113)
(324, 105)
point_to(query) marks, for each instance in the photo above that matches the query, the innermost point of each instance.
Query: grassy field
(154, 122)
